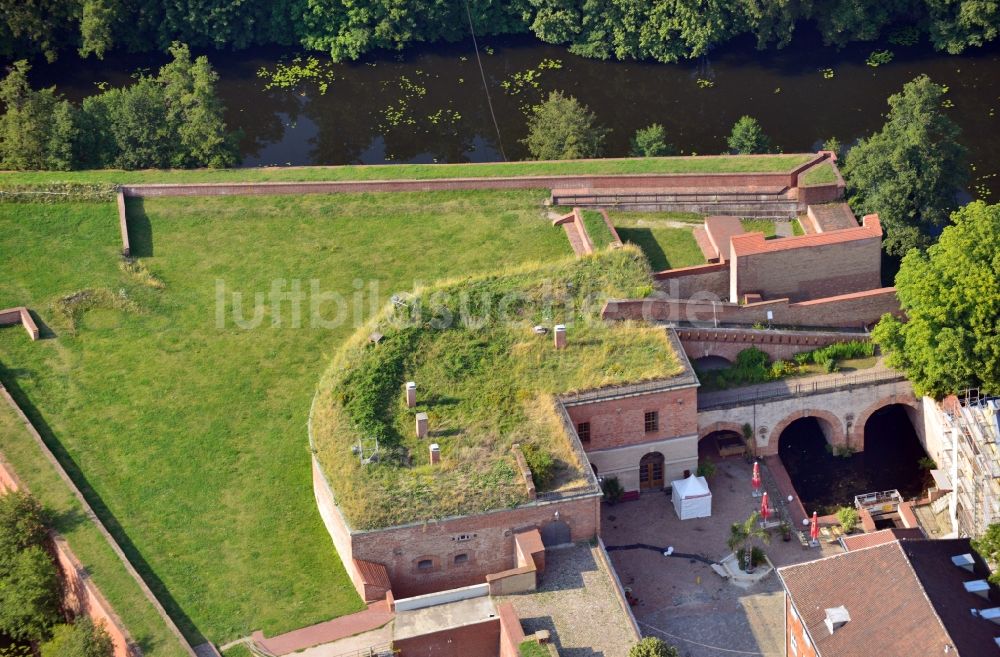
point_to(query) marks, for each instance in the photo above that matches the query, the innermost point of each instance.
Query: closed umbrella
(765, 512)
(755, 480)
(814, 528)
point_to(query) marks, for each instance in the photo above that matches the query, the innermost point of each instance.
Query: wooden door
(651, 471)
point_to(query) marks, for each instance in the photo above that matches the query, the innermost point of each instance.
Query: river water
(428, 104)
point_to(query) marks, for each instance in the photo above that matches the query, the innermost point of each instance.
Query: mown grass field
(144, 623)
(713, 164)
(821, 174)
(664, 237)
(190, 439)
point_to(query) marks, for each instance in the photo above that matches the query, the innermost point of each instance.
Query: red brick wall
(793, 628)
(620, 422)
(729, 342)
(813, 272)
(490, 550)
(686, 282)
(511, 633)
(478, 640)
(80, 595)
(859, 309)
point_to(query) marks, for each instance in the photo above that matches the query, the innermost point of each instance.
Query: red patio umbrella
(814, 527)
(765, 512)
(755, 480)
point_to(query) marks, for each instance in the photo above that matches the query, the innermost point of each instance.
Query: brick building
(898, 599)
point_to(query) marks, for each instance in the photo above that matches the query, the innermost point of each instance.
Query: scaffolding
(975, 458)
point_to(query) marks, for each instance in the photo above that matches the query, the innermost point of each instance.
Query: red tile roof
(754, 243)
(904, 598)
(860, 541)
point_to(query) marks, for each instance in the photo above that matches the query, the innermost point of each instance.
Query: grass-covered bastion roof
(486, 380)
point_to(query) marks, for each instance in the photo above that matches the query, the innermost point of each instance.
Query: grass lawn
(714, 164)
(119, 588)
(190, 439)
(598, 231)
(765, 226)
(820, 174)
(661, 236)
(486, 381)
(797, 229)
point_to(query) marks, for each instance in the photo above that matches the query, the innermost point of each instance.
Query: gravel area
(577, 604)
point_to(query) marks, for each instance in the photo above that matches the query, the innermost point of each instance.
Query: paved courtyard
(683, 600)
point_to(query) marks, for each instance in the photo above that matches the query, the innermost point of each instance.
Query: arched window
(461, 559)
(425, 564)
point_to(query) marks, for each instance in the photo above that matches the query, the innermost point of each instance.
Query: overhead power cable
(482, 73)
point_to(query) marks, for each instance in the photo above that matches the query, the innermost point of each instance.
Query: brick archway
(856, 437)
(833, 429)
(719, 426)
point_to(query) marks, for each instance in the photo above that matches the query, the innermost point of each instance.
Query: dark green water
(428, 104)
(824, 482)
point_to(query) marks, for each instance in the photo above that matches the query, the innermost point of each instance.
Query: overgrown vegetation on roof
(486, 381)
(821, 174)
(598, 231)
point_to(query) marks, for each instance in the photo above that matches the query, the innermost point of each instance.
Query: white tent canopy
(692, 498)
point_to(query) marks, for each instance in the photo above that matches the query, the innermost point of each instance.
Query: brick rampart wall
(480, 639)
(123, 224)
(783, 345)
(511, 633)
(490, 546)
(92, 517)
(809, 273)
(489, 541)
(687, 282)
(20, 315)
(621, 181)
(80, 595)
(856, 310)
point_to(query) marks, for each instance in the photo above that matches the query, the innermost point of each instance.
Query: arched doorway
(651, 471)
(709, 363)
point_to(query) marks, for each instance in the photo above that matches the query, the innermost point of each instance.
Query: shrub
(22, 524)
(29, 594)
(748, 137)
(651, 141)
(541, 463)
(705, 469)
(652, 646)
(927, 463)
(81, 639)
(612, 490)
(563, 128)
(848, 518)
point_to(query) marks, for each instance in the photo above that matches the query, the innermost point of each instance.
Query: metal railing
(769, 392)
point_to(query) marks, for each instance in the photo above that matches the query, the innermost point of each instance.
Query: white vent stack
(980, 587)
(964, 561)
(421, 425)
(411, 394)
(836, 618)
(559, 335)
(435, 453)
(991, 614)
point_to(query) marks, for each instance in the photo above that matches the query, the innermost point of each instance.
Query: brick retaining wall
(728, 342)
(855, 310)
(19, 315)
(80, 595)
(92, 517)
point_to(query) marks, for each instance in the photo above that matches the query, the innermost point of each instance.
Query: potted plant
(612, 490)
(786, 531)
(741, 537)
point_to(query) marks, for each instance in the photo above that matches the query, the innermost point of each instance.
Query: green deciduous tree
(29, 585)
(910, 171)
(651, 141)
(988, 547)
(562, 128)
(954, 25)
(748, 137)
(172, 120)
(38, 130)
(951, 296)
(81, 639)
(652, 646)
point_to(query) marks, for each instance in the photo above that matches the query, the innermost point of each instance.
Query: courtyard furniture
(692, 498)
